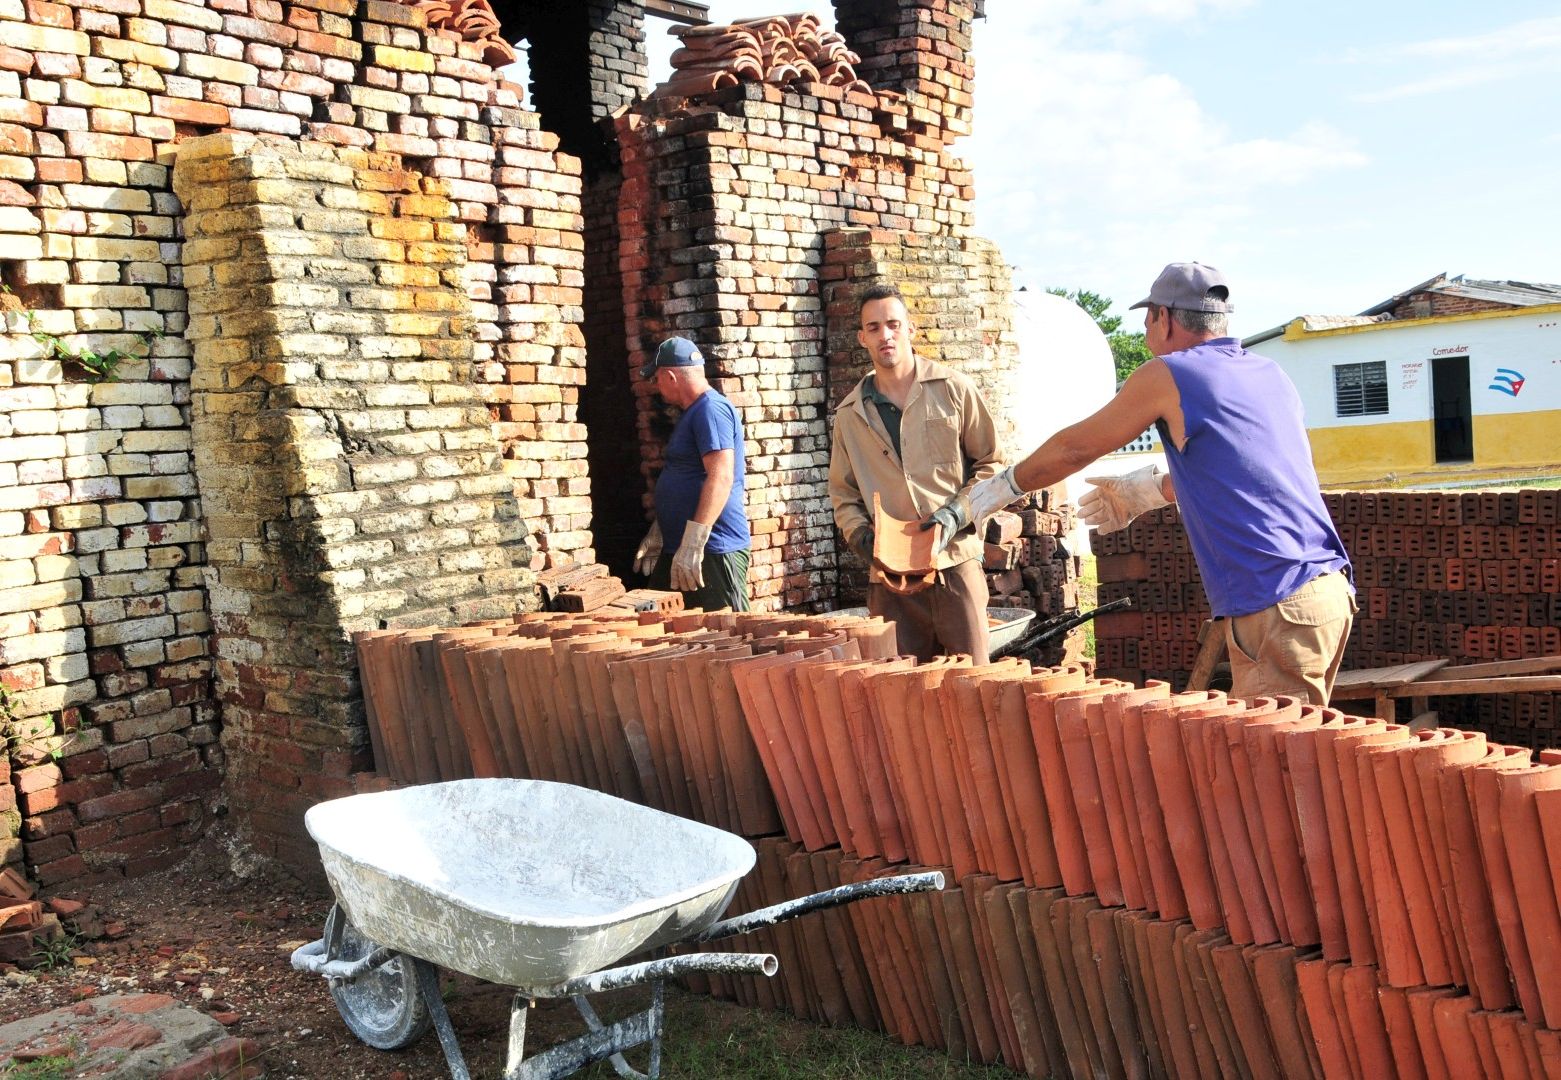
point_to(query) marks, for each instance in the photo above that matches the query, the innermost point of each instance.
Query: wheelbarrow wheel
(383, 1006)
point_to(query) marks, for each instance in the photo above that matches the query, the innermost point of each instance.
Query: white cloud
(1093, 168)
(1531, 47)
(1529, 36)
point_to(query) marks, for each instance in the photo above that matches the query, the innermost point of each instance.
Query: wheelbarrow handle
(671, 967)
(1050, 629)
(819, 901)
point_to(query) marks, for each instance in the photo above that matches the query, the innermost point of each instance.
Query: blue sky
(1324, 155)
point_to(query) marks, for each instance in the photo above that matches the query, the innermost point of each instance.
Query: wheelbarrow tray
(522, 882)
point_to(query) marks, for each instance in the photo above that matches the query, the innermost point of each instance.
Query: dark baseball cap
(674, 352)
(1189, 286)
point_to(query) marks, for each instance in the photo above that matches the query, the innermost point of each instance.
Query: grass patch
(707, 1039)
(48, 1068)
(1089, 597)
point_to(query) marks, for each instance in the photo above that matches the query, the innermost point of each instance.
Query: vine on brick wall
(98, 366)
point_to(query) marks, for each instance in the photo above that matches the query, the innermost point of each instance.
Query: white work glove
(982, 501)
(649, 551)
(1116, 500)
(688, 564)
(992, 494)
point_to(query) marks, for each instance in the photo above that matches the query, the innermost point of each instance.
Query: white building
(1451, 378)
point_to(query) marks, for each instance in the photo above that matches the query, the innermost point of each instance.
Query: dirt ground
(219, 941)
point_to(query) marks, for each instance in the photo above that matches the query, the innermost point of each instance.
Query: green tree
(1128, 350)
(1094, 305)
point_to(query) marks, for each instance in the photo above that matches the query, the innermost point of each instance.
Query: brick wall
(920, 48)
(1425, 305)
(107, 582)
(105, 639)
(350, 476)
(1475, 576)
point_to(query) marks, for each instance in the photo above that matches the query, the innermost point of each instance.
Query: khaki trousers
(1294, 647)
(942, 620)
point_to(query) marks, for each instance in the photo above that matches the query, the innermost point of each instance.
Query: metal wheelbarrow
(535, 885)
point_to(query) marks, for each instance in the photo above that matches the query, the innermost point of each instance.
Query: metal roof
(1516, 293)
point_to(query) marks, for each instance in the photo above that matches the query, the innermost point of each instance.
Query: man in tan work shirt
(916, 434)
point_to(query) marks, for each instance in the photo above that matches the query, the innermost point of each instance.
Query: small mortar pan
(531, 884)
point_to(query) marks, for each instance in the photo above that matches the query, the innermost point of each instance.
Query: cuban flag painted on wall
(1507, 381)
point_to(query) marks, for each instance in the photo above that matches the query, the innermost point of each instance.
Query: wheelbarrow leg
(619, 1064)
(428, 982)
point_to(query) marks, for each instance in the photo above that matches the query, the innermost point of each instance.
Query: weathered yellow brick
(21, 247)
(31, 37)
(104, 296)
(413, 324)
(32, 447)
(428, 206)
(116, 250)
(204, 66)
(156, 441)
(49, 699)
(402, 59)
(137, 52)
(16, 573)
(18, 219)
(184, 14)
(368, 97)
(91, 197)
(35, 597)
(76, 92)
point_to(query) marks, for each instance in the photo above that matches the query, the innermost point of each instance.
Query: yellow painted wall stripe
(1370, 452)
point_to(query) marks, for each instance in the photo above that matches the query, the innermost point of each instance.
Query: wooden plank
(1520, 684)
(678, 11)
(1365, 682)
(1530, 666)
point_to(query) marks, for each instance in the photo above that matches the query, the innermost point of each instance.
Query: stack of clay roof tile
(475, 21)
(1143, 883)
(780, 50)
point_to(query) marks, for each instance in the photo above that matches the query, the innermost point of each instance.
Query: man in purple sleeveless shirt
(1241, 473)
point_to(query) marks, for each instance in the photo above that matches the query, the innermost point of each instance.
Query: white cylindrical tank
(1064, 373)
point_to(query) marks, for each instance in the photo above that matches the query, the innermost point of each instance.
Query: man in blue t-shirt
(699, 495)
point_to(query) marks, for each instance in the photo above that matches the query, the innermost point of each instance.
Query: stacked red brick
(1469, 575)
(780, 50)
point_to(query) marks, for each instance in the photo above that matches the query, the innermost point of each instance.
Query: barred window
(1361, 389)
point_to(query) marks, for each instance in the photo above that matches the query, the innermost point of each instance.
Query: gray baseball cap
(1189, 286)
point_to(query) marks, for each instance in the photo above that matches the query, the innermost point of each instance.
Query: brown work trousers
(941, 620)
(1295, 646)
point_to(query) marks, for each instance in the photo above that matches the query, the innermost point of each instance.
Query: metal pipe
(845, 894)
(670, 968)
